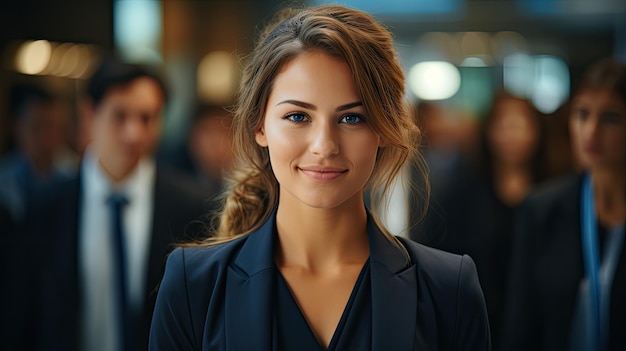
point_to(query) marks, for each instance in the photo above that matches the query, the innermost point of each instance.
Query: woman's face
(322, 149)
(513, 135)
(598, 129)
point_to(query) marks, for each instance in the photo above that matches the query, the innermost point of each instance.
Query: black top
(292, 332)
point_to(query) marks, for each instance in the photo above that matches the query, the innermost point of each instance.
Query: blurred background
(458, 53)
(488, 81)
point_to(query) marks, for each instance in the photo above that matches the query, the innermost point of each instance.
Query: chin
(327, 203)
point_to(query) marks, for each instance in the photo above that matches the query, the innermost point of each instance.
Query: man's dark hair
(22, 95)
(114, 72)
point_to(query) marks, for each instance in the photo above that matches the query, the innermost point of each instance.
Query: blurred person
(513, 148)
(106, 232)
(450, 160)
(567, 287)
(299, 262)
(512, 163)
(210, 146)
(477, 208)
(207, 154)
(40, 130)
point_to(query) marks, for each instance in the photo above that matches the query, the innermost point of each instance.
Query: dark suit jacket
(546, 271)
(220, 298)
(47, 314)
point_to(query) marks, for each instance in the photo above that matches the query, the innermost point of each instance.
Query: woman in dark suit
(298, 261)
(568, 280)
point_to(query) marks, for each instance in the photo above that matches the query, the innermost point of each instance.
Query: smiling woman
(298, 261)
(321, 147)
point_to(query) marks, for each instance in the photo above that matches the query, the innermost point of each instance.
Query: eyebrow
(313, 107)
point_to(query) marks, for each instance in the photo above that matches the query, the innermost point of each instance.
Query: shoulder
(442, 269)
(556, 190)
(194, 277)
(59, 193)
(552, 200)
(449, 283)
(201, 265)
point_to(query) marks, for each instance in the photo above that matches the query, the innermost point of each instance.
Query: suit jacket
(220, 297)
(547, 269)
(47, 316)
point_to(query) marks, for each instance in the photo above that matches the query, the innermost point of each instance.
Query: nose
(133, 131)
(325, 141)
(591, 126)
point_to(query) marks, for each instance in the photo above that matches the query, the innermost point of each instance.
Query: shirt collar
(97, 183)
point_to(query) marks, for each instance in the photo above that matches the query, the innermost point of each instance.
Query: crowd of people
(273, 206)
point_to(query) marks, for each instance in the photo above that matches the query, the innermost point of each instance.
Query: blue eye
(351, 119)
(297, 117)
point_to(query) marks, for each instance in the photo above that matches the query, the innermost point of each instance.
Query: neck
(318, 239)
(609, 189)
(502, 170)
(116, 172)
(512, 183)
(43, 167)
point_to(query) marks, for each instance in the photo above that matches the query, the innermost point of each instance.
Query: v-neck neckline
(282, 284)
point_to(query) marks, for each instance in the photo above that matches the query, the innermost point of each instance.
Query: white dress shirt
(96, 270)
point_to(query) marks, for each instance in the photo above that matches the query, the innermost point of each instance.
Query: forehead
(600, 98)
(315, 73)
(138, 91)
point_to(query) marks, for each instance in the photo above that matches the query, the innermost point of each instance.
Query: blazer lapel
(394, 297)
(249, 298)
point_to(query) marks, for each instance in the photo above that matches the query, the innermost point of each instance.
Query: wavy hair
(367, 47)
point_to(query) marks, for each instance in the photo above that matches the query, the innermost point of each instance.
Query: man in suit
(108, 231)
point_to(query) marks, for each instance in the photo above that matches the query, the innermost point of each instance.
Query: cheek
(574, 132)
(283, 147)
(362, 150)
(616, 141)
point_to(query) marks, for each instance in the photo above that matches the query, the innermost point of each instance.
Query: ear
(85, 123)
(381, 142)
(260, 137)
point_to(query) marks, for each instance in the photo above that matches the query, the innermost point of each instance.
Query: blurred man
(40, 126)
(110, 229)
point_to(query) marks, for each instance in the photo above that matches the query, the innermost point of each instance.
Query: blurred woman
(512, 142)
(567, 286)
(513, 147)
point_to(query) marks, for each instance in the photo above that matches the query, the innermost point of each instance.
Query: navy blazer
(220, 297)
(546, 270)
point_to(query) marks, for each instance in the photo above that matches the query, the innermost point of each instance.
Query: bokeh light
(434, 80)
(217, 75)
(33, 56)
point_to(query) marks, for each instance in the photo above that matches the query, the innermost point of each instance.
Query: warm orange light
(33, 56)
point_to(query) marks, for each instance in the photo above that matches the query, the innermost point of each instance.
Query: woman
(298, 261)
(513, 148)
(512, 138)
(568, 279)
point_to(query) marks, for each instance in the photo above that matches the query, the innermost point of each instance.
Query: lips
(322, 173)
(591, 149)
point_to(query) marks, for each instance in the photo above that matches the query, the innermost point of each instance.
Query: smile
(323, 174)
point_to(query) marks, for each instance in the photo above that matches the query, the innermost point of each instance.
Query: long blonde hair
(367, 47)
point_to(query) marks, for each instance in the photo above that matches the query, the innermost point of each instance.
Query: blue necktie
(125, 318)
